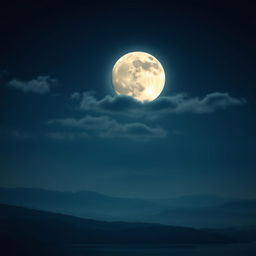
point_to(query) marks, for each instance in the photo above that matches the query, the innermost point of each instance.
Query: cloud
(105, 117)
(105, 126)
(40, 85)
(179, 103)
(75, 96)
(110, 105)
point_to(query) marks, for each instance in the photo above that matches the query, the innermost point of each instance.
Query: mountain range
(28, 232)
(200, 211)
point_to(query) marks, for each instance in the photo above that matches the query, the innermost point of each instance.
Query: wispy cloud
(105, 126)
(75, 96)
(39, 85)
(104, 117)
(179, 103)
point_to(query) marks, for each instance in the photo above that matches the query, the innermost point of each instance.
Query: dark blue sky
(62, 127)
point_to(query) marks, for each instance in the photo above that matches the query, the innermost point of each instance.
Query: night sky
(63, 128)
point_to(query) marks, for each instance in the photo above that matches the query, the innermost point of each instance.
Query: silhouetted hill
(21, 224)
(199, 211)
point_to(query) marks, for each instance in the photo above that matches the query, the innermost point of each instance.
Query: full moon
(139, 75)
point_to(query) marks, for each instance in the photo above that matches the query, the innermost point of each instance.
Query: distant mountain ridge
(195, 201)
(82, 204)
(233, 214)
(193, 211)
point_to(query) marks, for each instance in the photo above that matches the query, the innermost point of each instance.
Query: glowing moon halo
(139, 75)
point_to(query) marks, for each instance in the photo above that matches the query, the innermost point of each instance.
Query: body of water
(246, 249)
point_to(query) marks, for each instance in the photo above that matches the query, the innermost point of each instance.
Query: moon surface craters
(138, 75)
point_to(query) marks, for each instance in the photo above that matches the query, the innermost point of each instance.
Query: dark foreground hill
(31, 232)
(26, 230)
(50, 227)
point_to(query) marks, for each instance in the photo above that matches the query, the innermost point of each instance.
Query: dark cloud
(179, 103)
(40, 85)
(105, 126)
(104, 116)
(109, 104)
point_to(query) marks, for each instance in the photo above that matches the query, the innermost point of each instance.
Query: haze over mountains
(191, 211)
